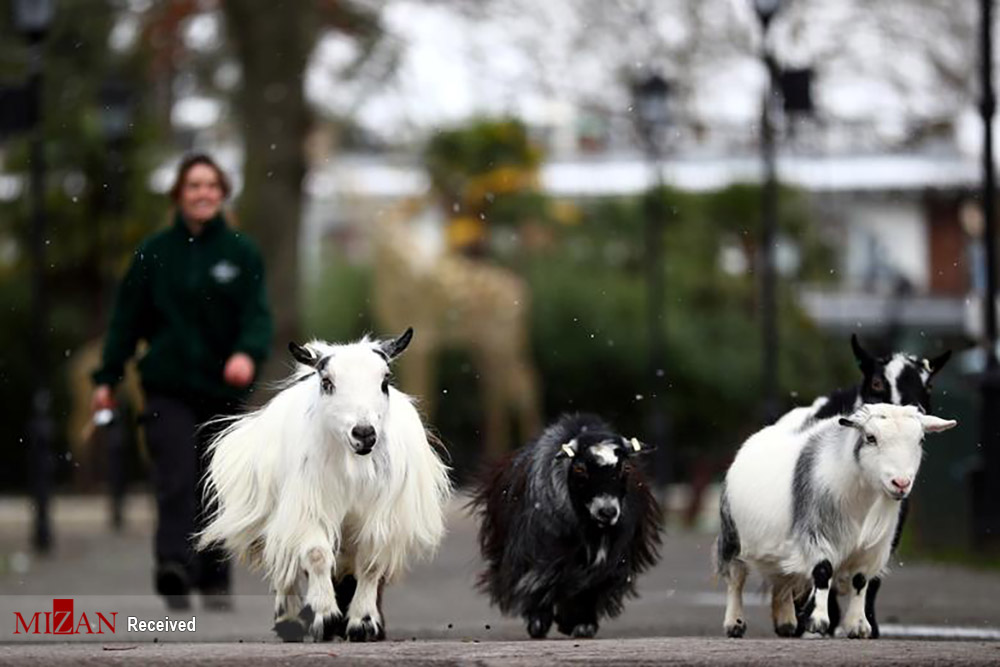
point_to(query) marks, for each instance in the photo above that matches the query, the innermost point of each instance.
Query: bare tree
(899, 70)
(273, 48)
(273, 43)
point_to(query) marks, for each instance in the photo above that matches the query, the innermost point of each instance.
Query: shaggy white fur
(293, 494)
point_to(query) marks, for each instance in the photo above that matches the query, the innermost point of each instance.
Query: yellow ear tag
(568, 451)
(927, 365)
(635, 445)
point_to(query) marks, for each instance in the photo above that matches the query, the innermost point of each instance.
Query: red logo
(62, 621)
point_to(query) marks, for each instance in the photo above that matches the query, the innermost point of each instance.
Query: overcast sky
(884, 68)
(879, 63)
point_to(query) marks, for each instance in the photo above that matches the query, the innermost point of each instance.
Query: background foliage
(588, 330)
(98, 206)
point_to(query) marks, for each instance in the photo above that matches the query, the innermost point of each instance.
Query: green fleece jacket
(195, 300)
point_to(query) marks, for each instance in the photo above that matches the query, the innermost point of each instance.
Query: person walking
(195, 293)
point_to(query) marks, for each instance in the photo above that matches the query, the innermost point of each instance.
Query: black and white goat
(899, 379)
(567, 522)
(817, 508)
(332, 481)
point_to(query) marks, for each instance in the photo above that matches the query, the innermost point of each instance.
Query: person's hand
(102, 399)
(239, 370)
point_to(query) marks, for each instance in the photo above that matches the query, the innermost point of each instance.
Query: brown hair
(185, 166)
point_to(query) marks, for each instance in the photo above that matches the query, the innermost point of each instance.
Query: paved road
(680, 606)
(662, 651)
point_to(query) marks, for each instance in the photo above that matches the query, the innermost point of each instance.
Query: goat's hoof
(364, 630)
(859, 630)
(290, 629)
(584, 630)
(786, 630)
(318, 624)
(538, 627)
(819, 626)
(335, 627)
(736, 629)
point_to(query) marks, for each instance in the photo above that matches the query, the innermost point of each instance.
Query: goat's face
(889, 448)
(598, 465)
(353, 385)
(900, 379)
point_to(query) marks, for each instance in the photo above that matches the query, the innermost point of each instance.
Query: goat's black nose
(608, 513)
(365, 435)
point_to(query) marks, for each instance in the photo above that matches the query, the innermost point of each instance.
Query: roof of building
(603, 175)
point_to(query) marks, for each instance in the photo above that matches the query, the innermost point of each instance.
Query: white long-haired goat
(815, 506)
(334, 479)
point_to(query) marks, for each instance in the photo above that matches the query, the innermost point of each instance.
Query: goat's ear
(567, 450)
(934, 424)
(302, 354)
(938, 362)
(633, 447)
(865, 361)
(393, 348)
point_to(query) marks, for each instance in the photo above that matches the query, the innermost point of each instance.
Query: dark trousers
(177, 443)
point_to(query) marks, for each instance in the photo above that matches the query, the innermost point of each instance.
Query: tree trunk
(273, 44)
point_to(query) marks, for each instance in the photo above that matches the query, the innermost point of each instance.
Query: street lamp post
(651, 96)
(32, 18)
(116, 100)
(766, 10)
(116, 122)
(986, 519)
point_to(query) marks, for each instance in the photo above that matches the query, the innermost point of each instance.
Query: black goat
(899, 379)
(567, 522)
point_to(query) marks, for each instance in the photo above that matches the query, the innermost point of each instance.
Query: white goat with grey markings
(817, 507)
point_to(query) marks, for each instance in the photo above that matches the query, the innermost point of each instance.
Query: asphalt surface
(435, 616)
(650, 651)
